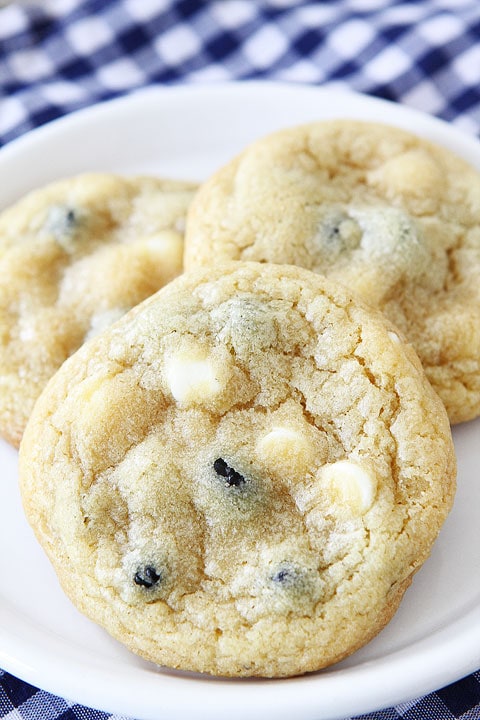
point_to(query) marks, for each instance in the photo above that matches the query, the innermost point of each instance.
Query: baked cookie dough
(74, 256)
(394, 217)
(241, 476)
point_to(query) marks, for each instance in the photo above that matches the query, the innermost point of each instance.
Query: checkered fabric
(60, 55)
(21, 701)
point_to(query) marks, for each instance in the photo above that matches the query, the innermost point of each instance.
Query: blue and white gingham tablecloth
(60, 55)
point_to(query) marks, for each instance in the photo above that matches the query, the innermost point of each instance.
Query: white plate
(434, 639)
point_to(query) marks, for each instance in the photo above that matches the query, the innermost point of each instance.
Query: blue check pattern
(57, 56)
(21, 701)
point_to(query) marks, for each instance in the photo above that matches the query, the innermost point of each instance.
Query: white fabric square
(30, 65)
(455, 5)
(265, 46)
(442, 28)
(424, 96)
(233, 13)
(12, 21)
(12, 715)
(58, 7)
(301, 71)
(120, 74)
(404, 707)
(143, 9)
(467, 66)
(468, 125)
(407, 14)
(365, 5)
(211, 73)
(178, 44)
(315, 16)
(351, 37)
(13, 113)
(44, 705)
(89, 34)
(63, 92)
(388, 64)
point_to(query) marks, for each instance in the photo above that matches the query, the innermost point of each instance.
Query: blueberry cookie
(391, 215)
(242, 475)
(74, 256)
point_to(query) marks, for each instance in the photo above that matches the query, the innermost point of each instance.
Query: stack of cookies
(242, 474)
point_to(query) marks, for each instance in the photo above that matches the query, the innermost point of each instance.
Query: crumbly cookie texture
(241, 476)
(74, 257)
(394, 217)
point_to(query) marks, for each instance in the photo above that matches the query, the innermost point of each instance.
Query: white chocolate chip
(191, 379)
(349, 485)
(27, 331)
(284, 443)
(164, 246)
(394, 338)
(413, 175)
(163, 242)
(100, 321)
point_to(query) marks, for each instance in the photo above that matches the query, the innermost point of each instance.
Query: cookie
(242, 475)
(74, 256)
(394, 217)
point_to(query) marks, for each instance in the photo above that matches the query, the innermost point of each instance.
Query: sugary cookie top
(75, 256)
(242, 475)
(391, 215)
